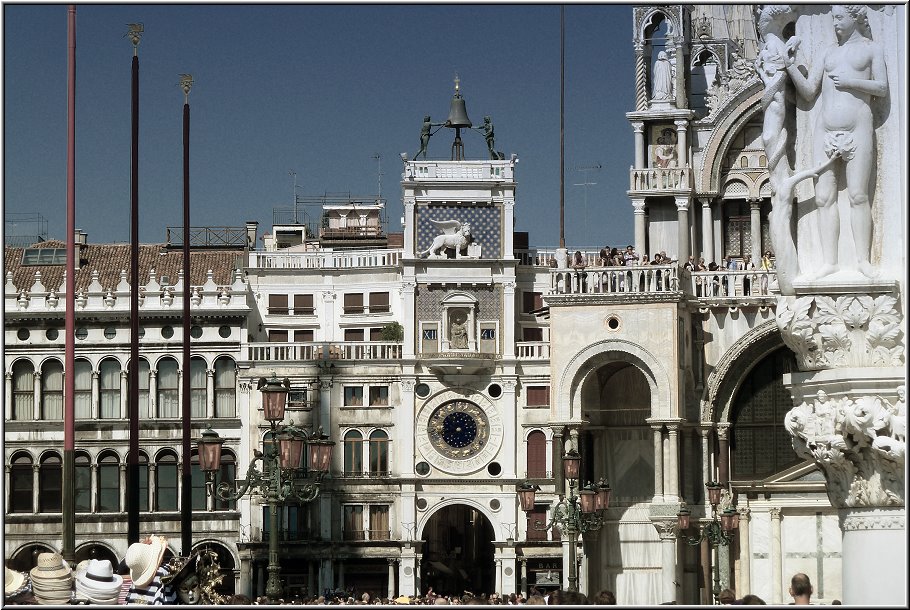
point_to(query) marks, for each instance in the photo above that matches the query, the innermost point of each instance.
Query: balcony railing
(362, 535)
(349, 350)
(660, 179)
(616, 280)
(728, 284)
(532, 350)
(345, 259)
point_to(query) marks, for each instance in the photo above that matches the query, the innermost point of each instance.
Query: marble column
(245, 584)
(755, 226)
(683, 249)
(707, 231)
(96, 396)
(673, 465)
(390, 589)
(556, 465)
(706, 453)
(498, 584)
(8, 396)
(210, 393)
(36, 395)
(658, 463)
(874, 551)
(777, 576)
(668, 540)
(36, 485)
(682, 146)
(124, 394)
(679, 87)
(744, 583)
(641, 78)
(638, 129)
(641, 229)
(723, 453)
(524, 576)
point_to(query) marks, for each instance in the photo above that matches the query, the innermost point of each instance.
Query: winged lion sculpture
(455, 234)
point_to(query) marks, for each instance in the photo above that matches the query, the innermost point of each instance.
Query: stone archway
(458, 552)
(26, 557)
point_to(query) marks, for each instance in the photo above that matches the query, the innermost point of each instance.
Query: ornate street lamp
(718, 531)
(284, 473)
(575, 514)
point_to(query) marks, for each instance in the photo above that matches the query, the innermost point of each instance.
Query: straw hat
(180, 568)
(143, 559)
(50, 568)
(404, 599)
(12, 582)
(98, 583)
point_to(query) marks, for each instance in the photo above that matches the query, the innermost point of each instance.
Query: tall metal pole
(186, 494)
(132, 470)
(562, 131)
(68, 495)
(572, 532)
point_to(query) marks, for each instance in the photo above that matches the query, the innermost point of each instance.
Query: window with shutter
(532, 334)
(353, 302)
(278, 304)
(303, 305)
(539, 396)
(532, 301)
(537, 455)
(303, 336)
(353, 334)
(278, 336)
(379, 302)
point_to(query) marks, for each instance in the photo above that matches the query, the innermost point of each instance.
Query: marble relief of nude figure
(845, 80)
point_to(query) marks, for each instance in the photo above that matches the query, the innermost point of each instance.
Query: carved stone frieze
(842, 331)
(860, 444)
(872, 519)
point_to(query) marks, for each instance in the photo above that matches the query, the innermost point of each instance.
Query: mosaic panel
(486, 223)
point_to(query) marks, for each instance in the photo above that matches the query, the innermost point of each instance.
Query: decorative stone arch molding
(588, 360)
(735, 363)
(432, 510)
(730, 120)
(644, 17)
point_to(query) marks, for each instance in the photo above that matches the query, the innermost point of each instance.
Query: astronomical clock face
(458, 436)
(458, 429)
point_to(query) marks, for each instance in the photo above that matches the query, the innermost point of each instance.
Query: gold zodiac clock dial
(458, 429)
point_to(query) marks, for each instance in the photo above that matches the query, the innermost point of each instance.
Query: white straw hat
(12, 581)
(143, 559)
(98, 582)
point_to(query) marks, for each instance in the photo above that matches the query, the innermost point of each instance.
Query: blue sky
(320, 90)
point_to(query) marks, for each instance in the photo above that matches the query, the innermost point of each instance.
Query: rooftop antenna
(294, 174)
(586, 169)
(378, 158)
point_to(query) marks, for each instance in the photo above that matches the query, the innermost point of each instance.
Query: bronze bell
(458, 114)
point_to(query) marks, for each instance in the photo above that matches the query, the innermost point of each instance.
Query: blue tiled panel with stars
(486, 223)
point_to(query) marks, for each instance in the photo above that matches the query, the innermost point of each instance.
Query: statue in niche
(455, 235)
(458, 330)
(662, 79)
(844, 79)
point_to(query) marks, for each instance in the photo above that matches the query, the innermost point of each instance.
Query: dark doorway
(458, 552)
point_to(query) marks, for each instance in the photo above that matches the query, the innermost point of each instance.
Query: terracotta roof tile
(110, 259)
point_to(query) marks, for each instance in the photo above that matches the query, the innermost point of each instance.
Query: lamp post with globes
(718, 531)
(284, 475)
(574, 514)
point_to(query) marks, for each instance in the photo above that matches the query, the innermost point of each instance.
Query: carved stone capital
(872, 519)
(858, 441)
(407, 385)
(638, 205)
(666, 529)
(775, 512)
(842, 330)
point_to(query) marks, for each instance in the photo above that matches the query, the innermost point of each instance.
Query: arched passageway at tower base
(458, 552)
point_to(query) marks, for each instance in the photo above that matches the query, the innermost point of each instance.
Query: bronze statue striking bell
(458, 114)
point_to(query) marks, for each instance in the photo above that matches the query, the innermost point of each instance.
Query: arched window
(143, 482)
(23, 390)
(537, 455)
(21, 484)
(166, 481)
(109, 383)
(168, 398)
(197, 478)
(109, 482)
(82, 395)
(50, 483)
(227, 474)
(353, 453)
(83, 482)
(198, 407)
(760, 445)
(52, 390)
(144, 410)
(379, 453)
(225, 384)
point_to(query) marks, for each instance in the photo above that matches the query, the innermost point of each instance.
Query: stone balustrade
(616, 280)
(152, 296)
(338, 350)
(726, 284)
(532, 350)
(649, 180)
(346, 259)
(458, 170)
